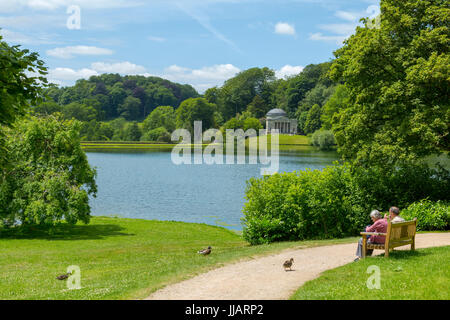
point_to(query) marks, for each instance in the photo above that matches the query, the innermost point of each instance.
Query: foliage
(159, 134)
(49, 178)
(112, 95)
(339, 100)
(335, 202)
(19, 88)
(238, 92)
(313, 122)
(430, 215)
(163, 116)
(398, 82)
(324, 139)
(195, 109)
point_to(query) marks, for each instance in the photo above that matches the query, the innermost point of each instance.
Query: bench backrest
(401, 231)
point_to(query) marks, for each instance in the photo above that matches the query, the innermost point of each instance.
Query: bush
(332, 203)
(302, 205)
(324, 139)
(159, 134)
(430, 215)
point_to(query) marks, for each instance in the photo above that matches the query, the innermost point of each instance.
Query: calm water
(147, 185)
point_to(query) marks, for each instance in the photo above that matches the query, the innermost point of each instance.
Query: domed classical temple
(278, 119)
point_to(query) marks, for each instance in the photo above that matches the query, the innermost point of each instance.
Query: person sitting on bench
(394, 215)
(379, 225)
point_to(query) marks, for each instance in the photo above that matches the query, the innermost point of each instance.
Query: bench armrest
(373, 234)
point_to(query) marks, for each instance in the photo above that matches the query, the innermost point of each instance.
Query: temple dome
(276, 113)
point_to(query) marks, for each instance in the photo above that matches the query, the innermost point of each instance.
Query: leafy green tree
(159, 134)
(398, 81)
(79, 111)
(163, 116)
(22, 77)
(313, 122)
(212, 95)
(50, 178)
(232, 124)
(324, 139)
(339, 100)
(131, 132)
(251, 123)
(130, 109)
(238, 92)
(47, 108)
(195, 109)
(258, 107)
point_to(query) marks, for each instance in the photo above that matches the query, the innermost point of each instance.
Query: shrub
(324, 139)
(302, 205)
(158, 134)
(334, 202)
(430, 215)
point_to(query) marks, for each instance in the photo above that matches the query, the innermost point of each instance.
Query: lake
(147, 185)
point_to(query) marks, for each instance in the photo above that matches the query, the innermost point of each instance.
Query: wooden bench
(397, 235)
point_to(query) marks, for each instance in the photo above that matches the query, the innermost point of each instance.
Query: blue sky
(200, 42)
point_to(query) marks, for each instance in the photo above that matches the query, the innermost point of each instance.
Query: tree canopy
(397, 77)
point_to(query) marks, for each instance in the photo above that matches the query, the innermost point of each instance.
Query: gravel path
(265, 279)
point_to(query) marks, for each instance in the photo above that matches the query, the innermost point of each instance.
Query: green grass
(119, 258)
(405, 275)
(286, 142)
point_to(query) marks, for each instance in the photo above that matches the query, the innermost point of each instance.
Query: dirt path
(265, 279)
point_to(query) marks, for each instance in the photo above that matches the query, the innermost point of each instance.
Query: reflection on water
(147, 185)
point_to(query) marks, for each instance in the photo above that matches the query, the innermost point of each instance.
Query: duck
(64, 276)
(205, 252)
(288, 264)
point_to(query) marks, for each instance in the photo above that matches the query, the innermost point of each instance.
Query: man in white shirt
(394, 215)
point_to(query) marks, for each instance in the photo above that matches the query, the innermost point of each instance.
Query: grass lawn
(119, 258)
(421, 274)
(287, 142)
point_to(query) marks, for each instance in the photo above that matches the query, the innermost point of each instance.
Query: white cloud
(347, 15)
(341, 31)
(67, 76)
(70, 52)
(345, 29)
(334, 38)
(20, 38)
(119, 67)
(288, 71)
(202, 78)
(284, 28)
(61, 75)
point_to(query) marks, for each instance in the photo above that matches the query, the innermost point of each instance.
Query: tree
(22, 77)
(163, 116)
(398, 81)
(79, 111)
(195, 109)
(313, 122)
(258, 107)
(339, 100)
(238, 92)
(47, 108)
(50, 178)
(130, 109)
(159, 134)
(252, 123)
(131, 132)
